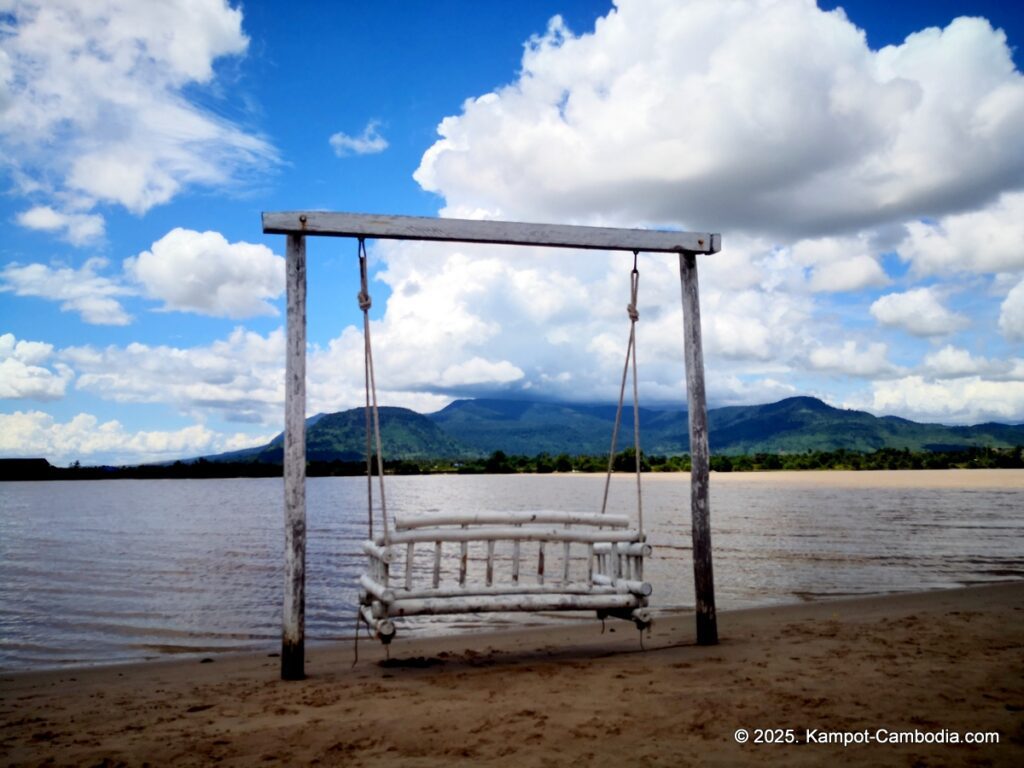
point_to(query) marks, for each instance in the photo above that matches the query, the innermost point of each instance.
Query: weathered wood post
(703, 579)
(293, 656)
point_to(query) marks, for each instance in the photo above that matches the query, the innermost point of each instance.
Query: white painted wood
(626, 585)
(434, 519)
(520, 602)
(473, 231)
(487, 533)
(383, 554)
(606, 587)
(377, 589)
(383, 628)
(294, 609)
(637, 549)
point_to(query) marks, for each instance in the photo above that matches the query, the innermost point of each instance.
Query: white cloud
(1011, 313)
(369, 142)
(202, 272)
(951, 362)
(85, 438)
(76, 228)
(987, 240)
(729, 389)
(477, 371)
(23, 373)
(79, 290)
(761, 116)
(240, 378)
(852, 274)
(839, 263)
(965, 400)
(918, 312)
(849, 359)
(95, 100)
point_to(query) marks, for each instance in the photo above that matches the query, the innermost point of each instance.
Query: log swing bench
(532, 561)
(613, 552)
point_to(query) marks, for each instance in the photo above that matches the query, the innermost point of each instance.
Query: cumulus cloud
(477, 371)
(986, 240)
(76, 228)
(853, 274)
(849, 359)
(86, 438)
(951, 362)
(80, 290)
(369, 142)
(240, 378)
(918, 312)
(698, 132)
(687, 113)
(24, 373)
(1011, 313)
(96, 107)
(476, 320)
(839, 263)
(965, 400)
(202, 272)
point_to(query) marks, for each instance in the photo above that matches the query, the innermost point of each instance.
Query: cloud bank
(767, 117)
(94, 106)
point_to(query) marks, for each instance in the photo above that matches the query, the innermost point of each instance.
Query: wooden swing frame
(615, 571)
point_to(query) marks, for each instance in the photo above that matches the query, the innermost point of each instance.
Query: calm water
(96, 572)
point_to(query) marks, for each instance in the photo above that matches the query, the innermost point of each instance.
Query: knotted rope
(372, 411)
(634, 316)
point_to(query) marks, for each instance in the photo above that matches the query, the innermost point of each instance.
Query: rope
(634, 316)
(365, 302)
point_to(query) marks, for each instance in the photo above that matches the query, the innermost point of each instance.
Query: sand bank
(948, 662)
(883, 478)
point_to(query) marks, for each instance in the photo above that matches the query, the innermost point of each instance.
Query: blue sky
(865, 168)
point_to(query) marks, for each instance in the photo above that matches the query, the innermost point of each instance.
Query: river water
(123, 570)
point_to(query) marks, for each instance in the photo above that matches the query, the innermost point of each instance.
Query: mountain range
(474, 428)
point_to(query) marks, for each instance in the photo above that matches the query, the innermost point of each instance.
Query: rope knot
(632, 312)
(365, 302)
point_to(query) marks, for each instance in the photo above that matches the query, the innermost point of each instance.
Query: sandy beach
(947, 662)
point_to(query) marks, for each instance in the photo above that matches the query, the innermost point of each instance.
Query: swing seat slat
(601, 559)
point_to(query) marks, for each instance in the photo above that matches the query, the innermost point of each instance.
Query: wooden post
(703, 579)
(293, 661)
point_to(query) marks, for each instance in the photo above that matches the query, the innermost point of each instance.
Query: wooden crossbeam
(382, 227)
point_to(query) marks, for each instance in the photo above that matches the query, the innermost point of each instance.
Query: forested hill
(479, 427)
(793, 425)
(341, 436)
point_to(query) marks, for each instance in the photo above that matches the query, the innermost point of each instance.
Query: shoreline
(940, 660)
(1009, 479)
(953, 477)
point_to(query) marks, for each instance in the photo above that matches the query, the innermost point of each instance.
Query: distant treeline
(886, 458)
(500, 463)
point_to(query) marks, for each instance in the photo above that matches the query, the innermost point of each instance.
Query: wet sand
(948, 662)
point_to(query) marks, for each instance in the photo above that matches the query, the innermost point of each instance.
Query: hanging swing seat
(424, 566)
(420, 565)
